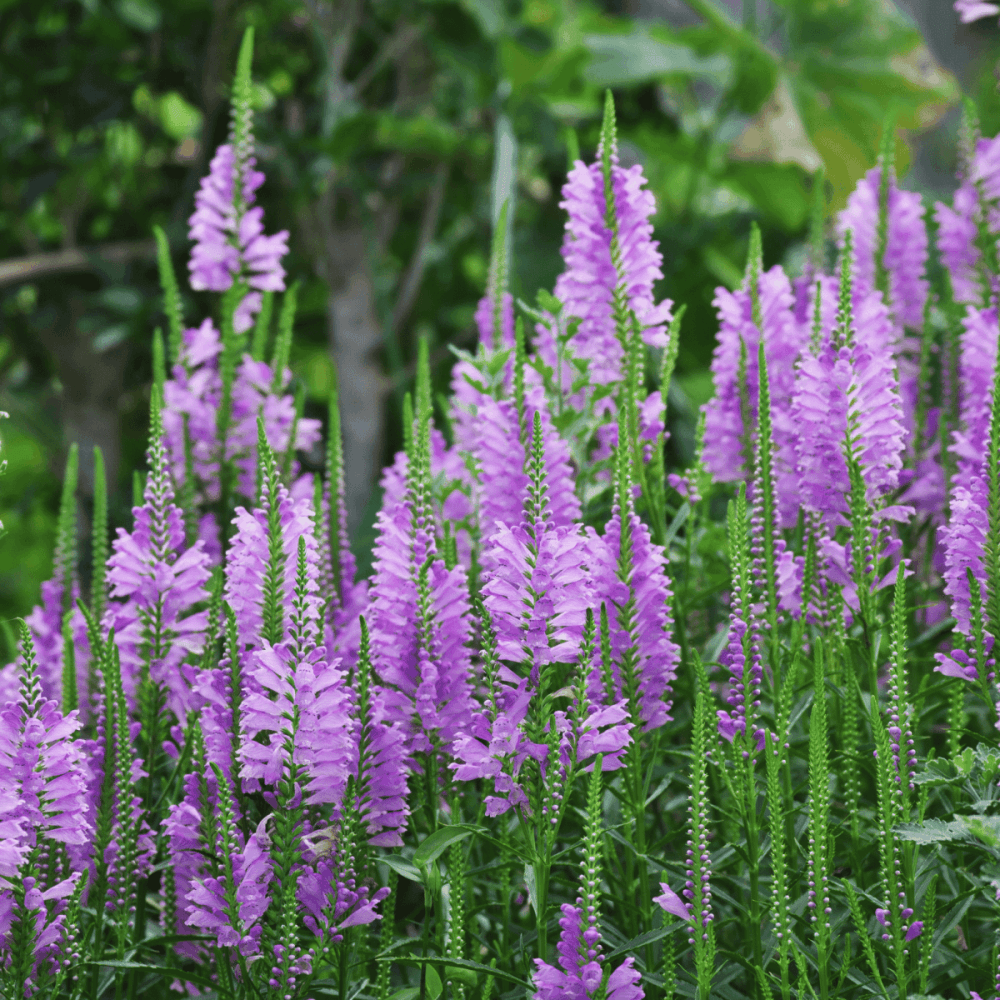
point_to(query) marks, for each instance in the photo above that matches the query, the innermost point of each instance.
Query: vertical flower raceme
(298, 715)
(731, 416)
(581, 973)
(628, 575)
(536, 598)
(261, 565)
(43, 798)
(587, 286)
(967, 229)
(57, 617)
(227, 229)
(156, 585)
(847, 407)
(419, 608)
(192, 398)
(894, 246)
(502, 477)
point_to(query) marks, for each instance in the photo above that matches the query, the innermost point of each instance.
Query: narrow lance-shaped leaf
(283, 341)
(262, 326)
(65, 554)
(172, 306)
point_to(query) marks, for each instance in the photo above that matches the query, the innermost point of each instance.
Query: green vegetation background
(390, 132)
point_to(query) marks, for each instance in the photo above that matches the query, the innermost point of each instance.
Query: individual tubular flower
(229, 234)
(581, 973)
(731, 415)
(156, 583)
(973, 10)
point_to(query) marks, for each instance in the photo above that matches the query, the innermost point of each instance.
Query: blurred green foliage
(408, 121)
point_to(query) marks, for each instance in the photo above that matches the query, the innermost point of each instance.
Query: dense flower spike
(732, 413)
(192, 398)
(581, 974)
(847, 397)
(904, 254)
(628, 575)
(230, 244)
(419, 610)
(156, 585)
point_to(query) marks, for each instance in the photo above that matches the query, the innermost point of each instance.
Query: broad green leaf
(401, 866)
(178, 118)
(431, 848)
(620, 60)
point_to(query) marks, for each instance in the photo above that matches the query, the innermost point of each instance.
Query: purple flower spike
(914, 930)
(854, 381)
(905, 256)
(159, 582)
(726, 438)
(248, 561)
(252, 874)
(300, 685)
(231, 244)
(654, 654)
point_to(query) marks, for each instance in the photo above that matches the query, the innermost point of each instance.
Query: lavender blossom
(192, 398)
(849, 388)
(249, 561)
(587, 286)
(229, 236)
(905, 251)
(419, 616)
(155, 584)
(644, 657)
(727, 442)
(973, 10)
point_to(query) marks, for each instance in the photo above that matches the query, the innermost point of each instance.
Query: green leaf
(531, 884)
(460, 963)
(178, 118)
(407, 993)
(401, 866)
(143, 15)
(431, 848)
(625, 59)
(434, 985)
(143, 967)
